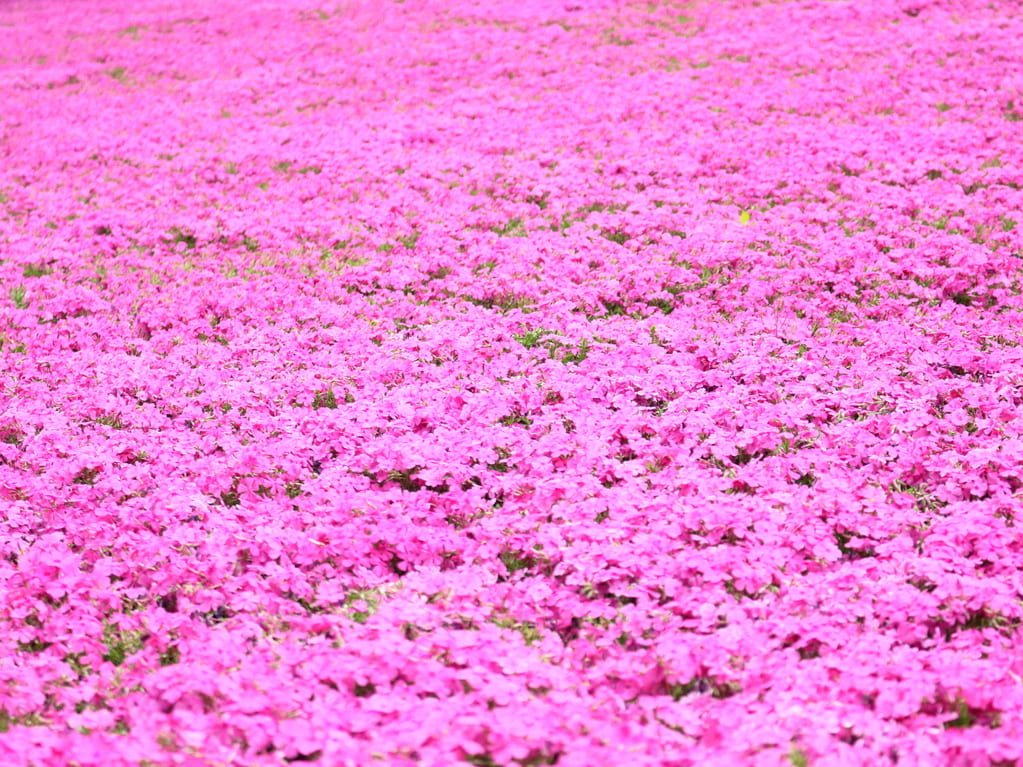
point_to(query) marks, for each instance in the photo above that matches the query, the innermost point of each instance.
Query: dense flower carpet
(511, 382)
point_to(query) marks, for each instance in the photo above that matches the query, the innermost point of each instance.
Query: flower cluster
(511, 383)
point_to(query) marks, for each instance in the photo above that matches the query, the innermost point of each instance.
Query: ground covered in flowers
(511, 383)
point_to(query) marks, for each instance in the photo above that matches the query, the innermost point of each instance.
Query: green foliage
(613, 308)
(577, 356)
(36, 270)
(371, 598)
(515, 227)
(27, 720)
(231, 498)
(176, 234)
(113, 420)
(531, 338)
(964, 717)
(410, 240)
(613, 38)
(501, 466)
(798, 757)
(514, 561)
(530, 633)
(503, 301)
(615, 235)
(86, 476)
(840, 315)
(515, 419)
(120, 643)
(539, 201)
(439, 273)
(18, 296)
(666, 306)
(406, 479)
(325, 398)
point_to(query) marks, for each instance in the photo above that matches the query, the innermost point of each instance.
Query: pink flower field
(511, 382)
